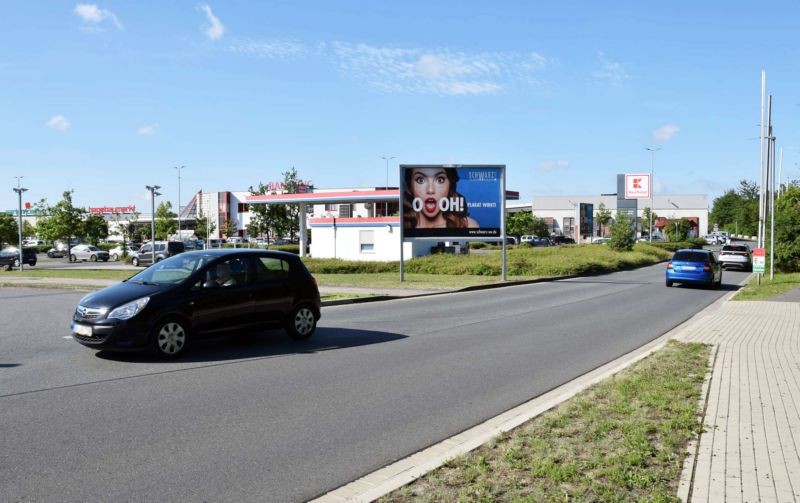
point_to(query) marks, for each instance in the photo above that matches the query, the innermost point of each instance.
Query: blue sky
(105, 98)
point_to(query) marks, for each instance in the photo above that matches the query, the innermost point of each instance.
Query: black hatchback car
(9, 257)
(199, 294)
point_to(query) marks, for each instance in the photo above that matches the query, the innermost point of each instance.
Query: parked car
(694, 266)
(600, 241)
(198, 294)
(57, 252)
(9, 257)
(87, 252)
(736, 256)
(526, 239)
(163, 249)
(32, 242)
(562, 240)
(117, 251)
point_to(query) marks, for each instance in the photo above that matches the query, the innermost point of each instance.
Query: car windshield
(172, 270)
(690, 256)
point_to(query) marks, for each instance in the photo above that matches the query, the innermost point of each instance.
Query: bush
(622, 238)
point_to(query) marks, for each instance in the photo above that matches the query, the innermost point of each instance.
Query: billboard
(637, 186)
(586, 219)
(452, 201)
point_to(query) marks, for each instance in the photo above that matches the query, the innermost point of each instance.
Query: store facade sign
(637, 186)
(452, 201)
(104, 210)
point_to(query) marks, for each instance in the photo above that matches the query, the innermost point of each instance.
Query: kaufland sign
(637, 186)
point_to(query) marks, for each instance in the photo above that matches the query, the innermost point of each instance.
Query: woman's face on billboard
(429, 185)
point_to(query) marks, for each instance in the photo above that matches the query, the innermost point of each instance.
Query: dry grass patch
(622, 440)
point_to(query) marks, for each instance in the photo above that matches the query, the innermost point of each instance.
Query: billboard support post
(401, 185)
(503, 218)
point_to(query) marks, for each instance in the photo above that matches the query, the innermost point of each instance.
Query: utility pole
(19, 190)
(153, 194)
(179, 168)
(386, 207)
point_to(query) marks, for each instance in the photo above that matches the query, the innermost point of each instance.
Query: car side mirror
(210, 284)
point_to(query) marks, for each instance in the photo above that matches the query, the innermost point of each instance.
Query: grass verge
(780, 284)
(624, 439)
(112, 274)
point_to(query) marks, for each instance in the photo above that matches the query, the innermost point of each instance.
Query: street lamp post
(652, 151)
(153, 194)
(19, 190)
(387, 159)
(179, 168)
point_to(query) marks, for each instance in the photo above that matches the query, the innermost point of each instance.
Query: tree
(787, 231)
(230, 228)
(28, 229)
(646, 219)
(165, 220)
(8, 230)
(276, 220)
(64, 220)
(622, 233)
(202, 227)
(603, 217)
(95, 228)
(678, 229)
(519, 223)
(737, 211)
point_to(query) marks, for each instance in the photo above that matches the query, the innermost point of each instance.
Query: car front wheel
(115, 257)
(169, 338)
(301, 323)
(135, 262)
(73, 258)
(16, 263)
(93, 258)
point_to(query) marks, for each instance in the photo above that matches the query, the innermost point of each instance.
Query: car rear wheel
(16, 263)
(669, 283)
(73, 258)
(115, 257)
(135, 262)
(301, 323)
(169, 338)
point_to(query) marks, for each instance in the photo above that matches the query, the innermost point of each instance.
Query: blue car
(696, 267)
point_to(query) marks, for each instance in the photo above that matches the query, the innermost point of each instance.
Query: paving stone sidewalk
(750, 449)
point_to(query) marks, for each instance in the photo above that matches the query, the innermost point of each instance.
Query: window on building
(244, 207)
(367, 241)
(569, 224)
(345, 210)
(330, 207)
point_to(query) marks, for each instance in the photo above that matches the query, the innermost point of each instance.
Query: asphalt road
(262, 418)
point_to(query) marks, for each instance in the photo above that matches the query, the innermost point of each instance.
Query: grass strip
(112, 274)
(780, 284)
(624, 439)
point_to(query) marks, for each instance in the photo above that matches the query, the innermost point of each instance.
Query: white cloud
(442, 72)
(91, 13)
(148, 130)
(272, 49)
(665, 132)
(551, 165)
(58, 122)
(610, 72)
(215, 30)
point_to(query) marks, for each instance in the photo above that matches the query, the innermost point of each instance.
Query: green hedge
(525, 261)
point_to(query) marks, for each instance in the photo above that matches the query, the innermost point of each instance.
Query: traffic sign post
(759, 260)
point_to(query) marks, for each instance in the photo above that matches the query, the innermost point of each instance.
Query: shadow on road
(262, 344)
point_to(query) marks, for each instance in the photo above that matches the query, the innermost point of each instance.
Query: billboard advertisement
(637, 186)
(586, 219)
(452, 201)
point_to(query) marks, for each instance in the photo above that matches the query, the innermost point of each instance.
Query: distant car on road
(87, 252)
(600, 241)
(9, 257)
(736, 256)
(196, 294)
(695, 267)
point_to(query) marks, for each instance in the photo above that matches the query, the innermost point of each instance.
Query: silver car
(737, 256)
(87, 252)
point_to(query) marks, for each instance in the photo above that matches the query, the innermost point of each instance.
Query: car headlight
(129, 310)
